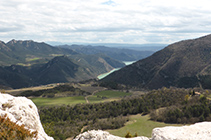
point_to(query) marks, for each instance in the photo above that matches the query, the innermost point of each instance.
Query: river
(101, 76)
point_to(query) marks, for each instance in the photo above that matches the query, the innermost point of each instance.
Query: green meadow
(58, 101)
(103, 96)
(142, 125)
(107, 95)
(112, 94)
(33, 59)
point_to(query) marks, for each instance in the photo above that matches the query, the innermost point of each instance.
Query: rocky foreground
(24, 111)
(198, 131)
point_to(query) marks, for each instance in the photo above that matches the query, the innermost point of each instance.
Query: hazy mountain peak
(2, 42)
(4, 47)
(13, 41)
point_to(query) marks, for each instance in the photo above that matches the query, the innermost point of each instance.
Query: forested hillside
(60, 69)
(182, 64)
(29, 52)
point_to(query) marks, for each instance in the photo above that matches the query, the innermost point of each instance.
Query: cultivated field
(107, 95)
(58, 101)
(98, 97)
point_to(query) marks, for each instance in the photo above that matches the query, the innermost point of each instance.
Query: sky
(104, 21)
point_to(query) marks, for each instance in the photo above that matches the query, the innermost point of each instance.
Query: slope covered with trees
(29, 52)
(182, 64)
(60, 69)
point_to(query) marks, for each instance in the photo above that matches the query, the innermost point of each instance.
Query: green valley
(58, 101)
(86, 106)
(54, 97)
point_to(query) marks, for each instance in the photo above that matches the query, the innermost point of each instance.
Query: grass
(103, 96)
(59, 101)
(54, 55)
(100, 100)
(32, 59)
(112, 94)
(16, 91)
(139, 124)
(106, 96)
(22, 64)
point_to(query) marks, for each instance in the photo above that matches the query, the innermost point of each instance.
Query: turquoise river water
(101, 76)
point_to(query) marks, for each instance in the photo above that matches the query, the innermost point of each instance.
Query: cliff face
(22, 111)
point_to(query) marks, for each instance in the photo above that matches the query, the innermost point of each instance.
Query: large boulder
(103, 135)
(198, 131)
(22, 111)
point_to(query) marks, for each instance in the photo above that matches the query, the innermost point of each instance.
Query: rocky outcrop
(103, 135)
(22, 111)
(198, 131)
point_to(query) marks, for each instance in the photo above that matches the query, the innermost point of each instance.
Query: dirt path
(87, 101)
(93, 93)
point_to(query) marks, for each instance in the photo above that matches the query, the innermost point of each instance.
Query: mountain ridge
(122, 54)
(28, 63)
(18, 51)
(60, 69)
(180, 64)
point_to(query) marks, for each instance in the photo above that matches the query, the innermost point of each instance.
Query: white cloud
(145, 21)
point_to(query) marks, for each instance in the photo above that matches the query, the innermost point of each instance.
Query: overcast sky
(104, 21)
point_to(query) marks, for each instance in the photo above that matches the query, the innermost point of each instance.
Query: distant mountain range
(182, 64)
(121, 54)
(140, 47)
(29, 51)
(29, 63)
(58, 70)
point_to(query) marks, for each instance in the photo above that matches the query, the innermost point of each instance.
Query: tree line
(50, 93)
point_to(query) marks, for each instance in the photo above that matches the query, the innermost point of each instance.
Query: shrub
(10, 130)
(128, 135)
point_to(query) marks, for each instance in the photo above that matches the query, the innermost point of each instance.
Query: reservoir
(101, 76)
